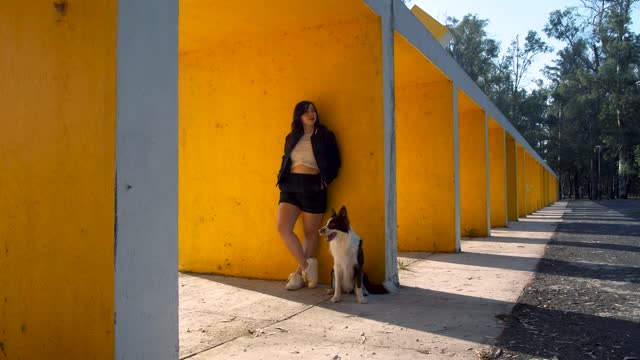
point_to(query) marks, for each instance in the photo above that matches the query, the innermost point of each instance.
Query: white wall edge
(390, 193)
(506, 179)
(146, 229)
(456, 166)
(487, 172)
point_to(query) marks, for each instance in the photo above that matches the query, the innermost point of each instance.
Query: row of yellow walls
(237, 89)
(234, 114)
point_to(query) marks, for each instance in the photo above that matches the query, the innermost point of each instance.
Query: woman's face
(310, 116)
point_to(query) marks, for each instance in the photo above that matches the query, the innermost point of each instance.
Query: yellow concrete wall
(534, 182)
(512, 180)
(473, 179)
(536, 185)
(424, 170)
(435, 28)
(498, 189)
(236, 99)
(530, 167)
(539, 185)
(57, 130)
(522, 189)
(539, 181)
(424, 153)
(546, 177)
(548, 187)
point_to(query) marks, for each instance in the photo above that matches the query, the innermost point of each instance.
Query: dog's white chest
(345, 257)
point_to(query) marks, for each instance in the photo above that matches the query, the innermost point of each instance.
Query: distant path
(584, 301)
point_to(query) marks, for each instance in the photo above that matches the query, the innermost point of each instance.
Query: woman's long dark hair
(298, 111)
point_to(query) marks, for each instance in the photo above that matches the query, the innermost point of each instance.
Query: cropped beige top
(302, 153)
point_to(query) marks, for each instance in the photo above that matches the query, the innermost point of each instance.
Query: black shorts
(304, 191)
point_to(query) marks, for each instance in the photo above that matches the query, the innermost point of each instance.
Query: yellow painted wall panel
(498, 190)
(522, 191)
(538, 186)
(236, 101)
(546, 177)
(530, 167)
(512, 179)
(535, 189)
(473, 178)
(435, 28)
(57, 131)
(425, 168)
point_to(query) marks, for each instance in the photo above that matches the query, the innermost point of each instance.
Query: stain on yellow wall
(57, 123)
(473, 176)
(236, 98)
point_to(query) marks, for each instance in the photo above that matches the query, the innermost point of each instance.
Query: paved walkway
(450, 306)
(584, 302)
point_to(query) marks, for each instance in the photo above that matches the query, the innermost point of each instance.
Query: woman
(310, 162)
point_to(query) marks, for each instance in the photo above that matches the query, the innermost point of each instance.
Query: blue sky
(508, 19)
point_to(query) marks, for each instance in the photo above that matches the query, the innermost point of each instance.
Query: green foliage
(636, 155)
(473, 49)
(586, 121)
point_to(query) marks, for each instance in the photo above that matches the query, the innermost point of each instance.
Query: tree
(596, 73)
(474, 51)
(586, 122)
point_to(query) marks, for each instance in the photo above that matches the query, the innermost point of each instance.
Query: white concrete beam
(146, 228)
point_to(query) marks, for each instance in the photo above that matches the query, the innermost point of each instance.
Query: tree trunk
(576, 186)
(624, 166)
(592, 183)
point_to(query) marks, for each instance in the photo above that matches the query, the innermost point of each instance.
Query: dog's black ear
(333, 212)
(343, 211)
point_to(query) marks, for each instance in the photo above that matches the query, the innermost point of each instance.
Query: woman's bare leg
(287, 216)
(311, 225)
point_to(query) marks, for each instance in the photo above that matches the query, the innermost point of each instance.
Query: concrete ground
(450, 306)
(584, 300)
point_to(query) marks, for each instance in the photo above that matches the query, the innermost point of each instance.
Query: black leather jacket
(325, 150)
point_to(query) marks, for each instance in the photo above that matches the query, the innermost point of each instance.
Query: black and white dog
(348, 260)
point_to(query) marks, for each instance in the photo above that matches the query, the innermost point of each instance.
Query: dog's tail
(386, 288)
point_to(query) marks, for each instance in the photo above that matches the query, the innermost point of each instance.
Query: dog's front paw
(335, 299)
(362, 300)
